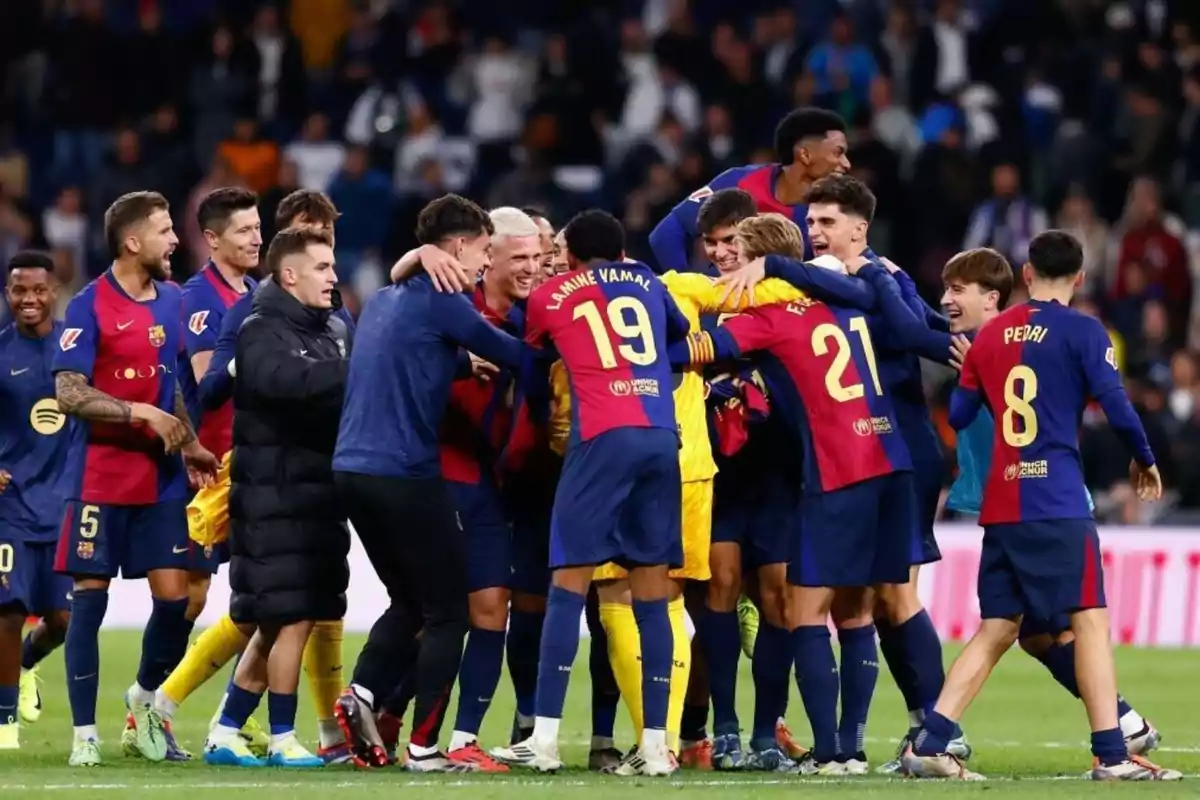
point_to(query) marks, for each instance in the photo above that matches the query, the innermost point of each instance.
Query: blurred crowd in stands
(977, 122)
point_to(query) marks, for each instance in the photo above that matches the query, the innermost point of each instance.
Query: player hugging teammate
(745, 443)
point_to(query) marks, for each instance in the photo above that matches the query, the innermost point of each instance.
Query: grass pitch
(1029, 737)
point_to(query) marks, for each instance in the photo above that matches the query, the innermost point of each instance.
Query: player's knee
(1037, 644)
(529, 603)
(725, 586)
(489, 609)
(197, 599)
(896, 603)
(999, 634)
(774, 605)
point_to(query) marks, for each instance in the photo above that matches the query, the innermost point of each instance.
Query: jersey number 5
(1020, 405)
(841, 358)
(640, 329)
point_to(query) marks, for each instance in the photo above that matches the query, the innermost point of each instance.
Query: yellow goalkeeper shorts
(208, 513)
(697, 537)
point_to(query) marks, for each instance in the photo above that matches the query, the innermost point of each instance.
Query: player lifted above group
(577, 434)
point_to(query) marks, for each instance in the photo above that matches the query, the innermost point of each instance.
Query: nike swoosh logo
(303, 352)
(123, 325)
(84, 677)
(16, 372)
(179, 550)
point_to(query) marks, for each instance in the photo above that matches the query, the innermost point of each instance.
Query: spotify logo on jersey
(45, 418)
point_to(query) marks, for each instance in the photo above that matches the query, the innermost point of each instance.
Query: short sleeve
(201, 328)
(77, 344)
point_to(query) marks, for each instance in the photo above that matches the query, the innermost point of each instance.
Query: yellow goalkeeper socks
(625, 653)
(213, 649)
(323, 666)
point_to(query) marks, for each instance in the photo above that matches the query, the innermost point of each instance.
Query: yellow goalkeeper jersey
(695, 294)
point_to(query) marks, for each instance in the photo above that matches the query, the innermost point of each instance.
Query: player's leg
(530, 585)
(853, 618)
(215, 647)
(283, 679)
(389, 653)
(718, 633)
(1052, 643)
(816, 671)
(12, 621)
(91, 542)
(51, 599)
(1002, 603)
(695, 748)
(323, 668)
(225, 745)
(603, 755)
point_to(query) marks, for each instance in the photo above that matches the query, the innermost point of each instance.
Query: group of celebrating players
(748, 443)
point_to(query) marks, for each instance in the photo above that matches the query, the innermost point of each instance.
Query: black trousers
(411, 534)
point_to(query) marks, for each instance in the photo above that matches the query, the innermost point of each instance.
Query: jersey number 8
(639, 329)
(1020, 405)
(841, 358)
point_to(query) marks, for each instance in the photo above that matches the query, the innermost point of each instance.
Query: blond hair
(513, 222)
(770, 234)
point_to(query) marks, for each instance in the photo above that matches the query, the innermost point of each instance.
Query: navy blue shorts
(928, 488)
(860, 535)
(755, 509)
(619, 500)
(27, 576)
(1042, 569)
(489, 541)
(104, 541)
(1035, 626)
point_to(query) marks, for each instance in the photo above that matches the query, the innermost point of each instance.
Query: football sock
(323, 665)
(694, 726)
(606, 695)
(524, 638)
(1131, 721)
(921, 650)
(817, 679)
(164, 642)
(720, 637)
(560, 643)
(239, 705)
(8, 704)
(1109, 747)
(211, 651)
(681, 670)
(859, 672)
(893, 653)
(625, 654)
(82, 653)
(478, 677)
(658, 646)
(281, 708)
(771, 667)
(37, 645)
(935, 735)
(1060, 660)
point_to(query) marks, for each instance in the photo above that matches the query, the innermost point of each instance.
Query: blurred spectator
(1184, 385)
(65, 226)
(500, 90)
(84, 91)
(279, 70)
(123, 172)
(287, 180)
(317, 156)
(843, 68)
(16, 229)
(14, 166)
(252, 158)
(221, 90)
(147, 89)
(364, 198)
(1078, 217)
(1008, 221)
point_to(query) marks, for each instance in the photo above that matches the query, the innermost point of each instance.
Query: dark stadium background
(975, 121)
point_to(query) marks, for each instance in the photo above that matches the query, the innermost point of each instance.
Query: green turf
(1029, 736)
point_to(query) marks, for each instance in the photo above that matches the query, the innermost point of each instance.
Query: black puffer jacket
(289, 539)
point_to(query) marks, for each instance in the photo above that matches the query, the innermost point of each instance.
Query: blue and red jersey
(819, 368)
(673, 237)
(128, 350)
(611, 325)
(479, 417)
(34, 437)
(1036, 365)
(207, 296)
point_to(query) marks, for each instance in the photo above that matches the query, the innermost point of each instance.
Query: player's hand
(856, 263)
(959, 345)
(889, 265)
(5, 479)
(481, 369)
(743, 280)
(201, 465)
(447, 273)
(1146, 481)
(173, 431)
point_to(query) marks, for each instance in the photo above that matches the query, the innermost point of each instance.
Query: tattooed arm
(181, 413)
(78, 398)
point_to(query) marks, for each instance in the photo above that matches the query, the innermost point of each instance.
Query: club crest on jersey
(85, 550)
(68, 338)
(700, 194)
(198, 322)
(158, 335)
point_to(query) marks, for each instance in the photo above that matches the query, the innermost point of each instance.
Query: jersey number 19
(638, 347)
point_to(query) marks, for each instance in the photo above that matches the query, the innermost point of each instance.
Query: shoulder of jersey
(725, 180)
